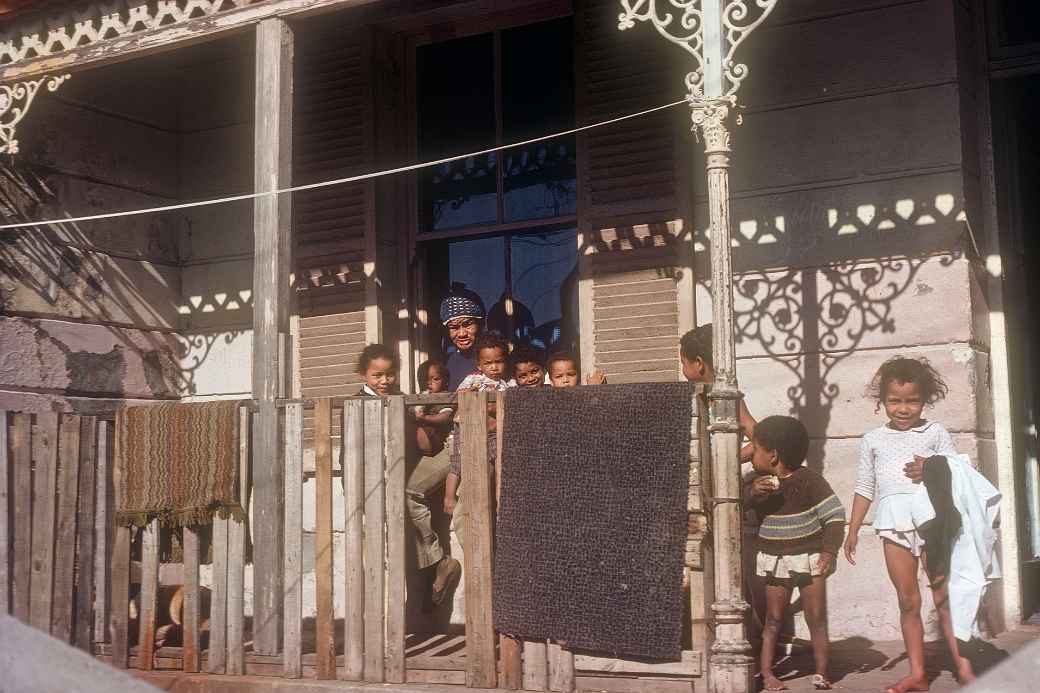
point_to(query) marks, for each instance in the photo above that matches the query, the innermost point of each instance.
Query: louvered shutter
(633, 198)
(333, 126)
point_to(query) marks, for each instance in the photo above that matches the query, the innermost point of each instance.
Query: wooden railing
(375, 636)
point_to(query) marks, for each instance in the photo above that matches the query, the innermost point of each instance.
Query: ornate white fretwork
(104, 20)
(685, 23)
(15, 100)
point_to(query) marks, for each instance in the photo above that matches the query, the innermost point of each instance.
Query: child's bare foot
(910, 683)
(772, 683)
(965, 674)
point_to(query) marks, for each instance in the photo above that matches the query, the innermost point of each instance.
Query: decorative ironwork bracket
(15, 100)
(709, 30)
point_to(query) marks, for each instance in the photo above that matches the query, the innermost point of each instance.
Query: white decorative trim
(15, 100)
(106, 20)
(682, 23)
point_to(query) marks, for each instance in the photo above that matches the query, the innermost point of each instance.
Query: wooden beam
(190, 618)
(104, 512)
(353, 491)
(293, 613)
(481, 671)
(65, 530)
(325, 633)
(217, 653)
(170, 37)
(21, 473)
(536, 666)
(120, 573)
(5, 520)
(375, 544)
(272, 219)
(45, 452)
(395, 539)
(149, 596)
(236, 580)
(84, 623)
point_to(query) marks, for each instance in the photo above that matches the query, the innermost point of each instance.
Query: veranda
(72, 571)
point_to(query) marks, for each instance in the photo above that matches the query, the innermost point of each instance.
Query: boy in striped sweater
(803, 524)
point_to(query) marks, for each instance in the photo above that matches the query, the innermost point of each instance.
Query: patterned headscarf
(461, 303)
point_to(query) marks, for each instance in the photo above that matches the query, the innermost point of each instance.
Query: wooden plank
(218, 602)
(236, 576)
(436, 677)
(325, 635)
(536, 667)
(104, 513)
(375, 533)
(354, 499)
(564, 671)
(481, 671)
(21, 488)
(395, 539)
(120, 597)
(293, 608)
(634, 685)
(5, 519)
(689, 664)
(45, 482)
(512, 666)
(553, 660)
(65, 530)
(149, 595)
(83, 622)
(190, 614)
(272, 224)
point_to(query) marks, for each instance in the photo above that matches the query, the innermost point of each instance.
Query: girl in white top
(889, 471)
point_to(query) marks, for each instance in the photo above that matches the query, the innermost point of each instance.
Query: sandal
(448, 573)
(820, 683)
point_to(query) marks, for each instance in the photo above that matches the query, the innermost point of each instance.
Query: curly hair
(527, 354)
(377, 351)
(787, 436)
(902, 369)
(697, 344)
(422, 374)
(490, 340)
(558, 356)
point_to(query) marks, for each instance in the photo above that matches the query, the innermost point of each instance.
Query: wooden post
(730, 669)
(293, 613)
(21, 456)
(236, 580)
(375, 535)
(45, 447)
(481, 671)
(219, 599)
(120, 597)
(149, 596)
(5, 520)
(509, 649)
(190, 620)
(700, 588)
(65, 531)
(354, 500)
(272, 162)
(395, 539)
(326, 640)
(84, 623)
(103, 514)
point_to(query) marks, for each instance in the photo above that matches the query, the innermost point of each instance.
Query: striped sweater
(803, 516)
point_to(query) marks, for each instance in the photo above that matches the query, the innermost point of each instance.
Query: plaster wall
(850, 243)
(89, 309)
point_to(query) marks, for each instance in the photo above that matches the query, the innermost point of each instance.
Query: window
(493, 89)
(503, 224)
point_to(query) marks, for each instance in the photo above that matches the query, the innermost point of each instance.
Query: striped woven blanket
(177, 463)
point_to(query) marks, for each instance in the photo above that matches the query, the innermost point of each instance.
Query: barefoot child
(904, 386)
(379, 367)
(802, 527)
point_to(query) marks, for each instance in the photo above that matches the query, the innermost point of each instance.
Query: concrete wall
(849, 207)
(88, 311)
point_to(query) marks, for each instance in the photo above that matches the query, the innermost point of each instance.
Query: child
(802, 526)
(378, 365)
(492, 351)
(435, 418)
(563, 371)
(887, 467)
(528, 366)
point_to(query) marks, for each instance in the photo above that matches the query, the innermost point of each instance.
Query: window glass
(539, 180)
(1020, 22)
(544, 269)
(456, 113)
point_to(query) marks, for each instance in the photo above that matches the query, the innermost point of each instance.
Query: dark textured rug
(592, 519)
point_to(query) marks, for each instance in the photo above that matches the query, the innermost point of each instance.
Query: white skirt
(909, 539)
(787, 567)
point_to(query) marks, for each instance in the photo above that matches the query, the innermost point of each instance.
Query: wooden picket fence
(82, 549)
(54, 530)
